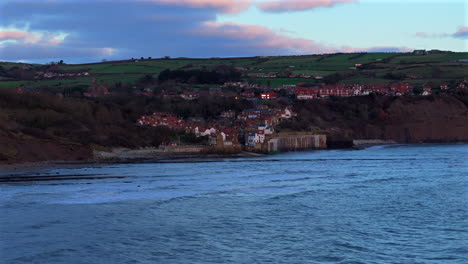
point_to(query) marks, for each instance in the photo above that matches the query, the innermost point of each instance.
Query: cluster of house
(250, 126)
(306, 76)
(242, 85)
(301, 91)
(265, 75)
(218, 92)
(292, 75)
(50, 75)
(260, 122)
(347, 90)
(462, 85)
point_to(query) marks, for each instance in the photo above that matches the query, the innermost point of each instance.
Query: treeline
(86, 122)
(206, 106)
(107, 121)
(200, 76)
(28, 72)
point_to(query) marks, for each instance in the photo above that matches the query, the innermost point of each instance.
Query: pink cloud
(22, 36)
(462, 32)
(224, 6)
(262, 37)
(14, 35)
(278, 6)
(265, 39)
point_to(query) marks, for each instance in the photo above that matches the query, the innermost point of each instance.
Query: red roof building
(268, 96)
(305, 93)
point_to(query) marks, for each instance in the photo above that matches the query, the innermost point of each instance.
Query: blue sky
(92, 30)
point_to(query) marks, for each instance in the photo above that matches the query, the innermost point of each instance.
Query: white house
(255, 138)
(266, 129)
(204, 132)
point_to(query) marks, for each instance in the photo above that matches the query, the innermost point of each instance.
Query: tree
(60, 62)
(394, 76)
(333, 78)
(147, 79)
(436, 72)
(3, 72)
(418, 90)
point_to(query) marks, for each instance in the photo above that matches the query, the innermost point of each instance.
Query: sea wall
(369, 142)
(287, 142)
(185, 149)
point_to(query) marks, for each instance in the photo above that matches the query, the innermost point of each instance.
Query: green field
(282, 81)
(377, 67)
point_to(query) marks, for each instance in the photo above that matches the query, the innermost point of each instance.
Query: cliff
(438, 119)
(441, 118)
(21, 148)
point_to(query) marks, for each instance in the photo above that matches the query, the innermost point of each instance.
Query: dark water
(396, 204)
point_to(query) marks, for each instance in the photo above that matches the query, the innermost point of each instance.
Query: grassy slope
(129, 71)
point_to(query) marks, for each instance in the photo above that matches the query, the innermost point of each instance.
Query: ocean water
(386, 204)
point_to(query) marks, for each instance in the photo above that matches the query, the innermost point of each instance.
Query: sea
(384, 204)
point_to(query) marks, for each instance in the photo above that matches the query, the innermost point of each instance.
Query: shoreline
(6, 168)
(25, 167)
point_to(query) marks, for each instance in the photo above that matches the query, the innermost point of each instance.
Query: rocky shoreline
(130, 156)
(141, 156)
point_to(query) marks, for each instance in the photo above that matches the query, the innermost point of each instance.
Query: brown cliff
(19, 149)
(441, 118)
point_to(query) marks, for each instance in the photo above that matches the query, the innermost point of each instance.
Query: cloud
(431, 35)
(24, 36)
(44, 53)
(265, 41)
(261, 38)
(376, 49)
(279, 6)
(238, 6)
(94, 30)
(86, 31)
(14, 35)
(462, 32)
(223, 6)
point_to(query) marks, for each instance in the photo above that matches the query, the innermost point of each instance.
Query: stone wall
(287, 142)
(185, 149)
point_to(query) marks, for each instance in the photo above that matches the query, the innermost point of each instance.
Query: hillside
(436, 67)
(64, 112)
(42, 127)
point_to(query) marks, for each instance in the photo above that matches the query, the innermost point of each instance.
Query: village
(230, 131)
(253, 129)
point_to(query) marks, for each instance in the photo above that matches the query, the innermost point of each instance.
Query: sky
(78, 31)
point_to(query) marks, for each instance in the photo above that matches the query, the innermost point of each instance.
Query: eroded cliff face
(20, 149)
(409, 120)
(444, 119)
